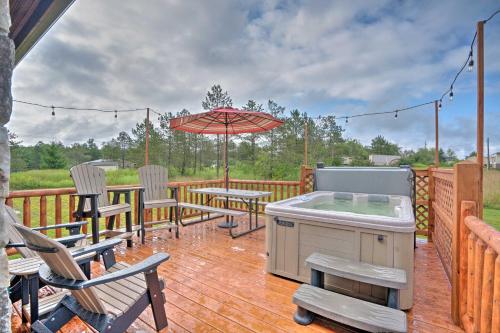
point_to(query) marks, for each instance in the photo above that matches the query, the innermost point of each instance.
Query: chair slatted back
(90, 179)
(154, 179)
(62, 263)
(14, 236)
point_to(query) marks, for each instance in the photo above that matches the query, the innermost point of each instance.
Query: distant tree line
(276, 154)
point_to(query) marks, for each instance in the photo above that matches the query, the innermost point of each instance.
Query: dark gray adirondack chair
(154, 180)
(108, 303)
(25, 270)
(90, 183)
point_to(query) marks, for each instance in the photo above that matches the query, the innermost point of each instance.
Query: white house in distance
(104, 164)
(384, 160)
(494, 160)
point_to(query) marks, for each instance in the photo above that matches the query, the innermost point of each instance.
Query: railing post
(468, 208)
(43, 212)
(58, 214)
(27, 211)
(465, 187)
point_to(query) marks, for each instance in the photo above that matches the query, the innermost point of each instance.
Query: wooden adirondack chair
(24, 271)
(90, 183)
(154, 180)
(108, 303)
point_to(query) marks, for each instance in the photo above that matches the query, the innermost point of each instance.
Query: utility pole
(480, 111)
(305, 142)
(146, 157)
(488, 151)
(436, 124)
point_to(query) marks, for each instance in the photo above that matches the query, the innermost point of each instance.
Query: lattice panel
(306, 179)
(309, 183)
(442, 239)
(422, 187)
(444, 195)
(422, 219)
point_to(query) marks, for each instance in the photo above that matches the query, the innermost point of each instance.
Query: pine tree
(217, 99)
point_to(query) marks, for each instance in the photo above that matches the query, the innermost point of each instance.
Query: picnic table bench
(208, 209)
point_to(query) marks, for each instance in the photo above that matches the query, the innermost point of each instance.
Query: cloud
(344, 57)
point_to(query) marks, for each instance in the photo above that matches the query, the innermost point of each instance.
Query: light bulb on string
(396, 114)
(53, 111)
(471, 62)
(116, 114)
(451, 93)
(346, 120)
(440, 105)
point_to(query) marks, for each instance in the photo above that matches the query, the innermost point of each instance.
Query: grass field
(38, 179)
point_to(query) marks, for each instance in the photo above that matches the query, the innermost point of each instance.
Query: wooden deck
(217, 284)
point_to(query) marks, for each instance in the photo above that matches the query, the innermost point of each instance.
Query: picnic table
(247, 197)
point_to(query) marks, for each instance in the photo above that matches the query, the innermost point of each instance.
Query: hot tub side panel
(291, 241)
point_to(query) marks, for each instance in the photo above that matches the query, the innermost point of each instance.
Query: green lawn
(492, 216)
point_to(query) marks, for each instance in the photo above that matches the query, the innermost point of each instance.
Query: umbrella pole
(228, 223)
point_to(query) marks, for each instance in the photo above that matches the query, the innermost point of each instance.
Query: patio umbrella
(226, 121)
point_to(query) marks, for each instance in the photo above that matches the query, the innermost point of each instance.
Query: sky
(321, 57)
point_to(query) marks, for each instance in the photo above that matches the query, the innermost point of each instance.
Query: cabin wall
(6, 67)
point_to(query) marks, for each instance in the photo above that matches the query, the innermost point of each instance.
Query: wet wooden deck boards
(217, 284)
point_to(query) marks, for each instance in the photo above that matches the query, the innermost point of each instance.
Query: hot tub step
(359, 271)
(347, 310)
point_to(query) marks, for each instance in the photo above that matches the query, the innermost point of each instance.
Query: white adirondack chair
(154, 180)
(90, 183)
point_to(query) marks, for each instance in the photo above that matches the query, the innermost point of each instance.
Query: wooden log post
(6, 69)
(465, 188)
(468, 208)
(486, 294)
(471, 242)
(479, 250)
(495, 320)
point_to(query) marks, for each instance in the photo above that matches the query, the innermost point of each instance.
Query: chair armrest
(175, 191)
(122, 189)
(144, 266)
(69, 241)
(14, 245)
(64, 225)
(85, 195)
(98, 248)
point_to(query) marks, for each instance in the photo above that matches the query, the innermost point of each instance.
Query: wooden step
(203, 208)
(350, 311)
(359, 271)
(263, 203)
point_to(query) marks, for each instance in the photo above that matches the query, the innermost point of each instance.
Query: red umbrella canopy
(226, 120)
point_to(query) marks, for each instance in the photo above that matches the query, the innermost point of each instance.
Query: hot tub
(372, 228)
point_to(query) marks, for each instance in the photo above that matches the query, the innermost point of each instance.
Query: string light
(440, 105)
(471, 62)
(53, 111)
(451, 93)
(346, 120)
(396, 114)
(116, 114)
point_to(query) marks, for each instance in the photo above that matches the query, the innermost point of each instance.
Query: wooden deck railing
(479, 272)
(55, 206)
